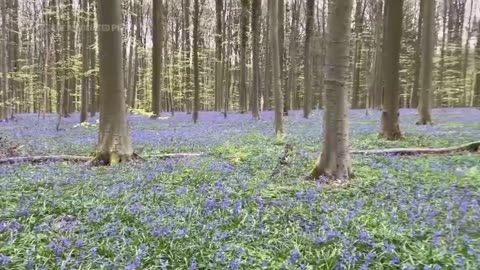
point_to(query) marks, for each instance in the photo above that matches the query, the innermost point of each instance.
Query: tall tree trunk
(186, 39)
(4, 49)
(256, 14)
(243, 56)
(307, 96)
(157, 38)
(293, 50)
(85, 62)
(391, 66)
(466, 54)
(359, 17)
(440, 89)
(335, 162)
(417, 58)
(427, 61)
(275, 61)
(218, 55)
(281, 50)
(131, 54)
(93, 60)
(114, 144)
(72, 80)
(13, 55)
(268, 68)
(196, 65)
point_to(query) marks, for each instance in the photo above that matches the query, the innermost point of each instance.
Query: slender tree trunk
(256, 14)
(281, 50)
(293, 50)
(276, 78)
(218, 55)
(335, 162)
(72, 80)
(85, 63)
(243, 56)
(131, 54)
(196, 65)
(375, 91)
(417, 58)
(93, 60)
(476, 87)
(268, 68)
(466, 54)
(114, 144)
(4, 49)
(157, 38)
(359, 15)
(440, 90)
(186, 39)
(427, 61)
(307, 96)
(391, 66)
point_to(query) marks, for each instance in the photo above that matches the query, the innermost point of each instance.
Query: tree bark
(186, 39)
(114, 144)
(417, 58)
(157, 38)
(375, 91)
(307, 95)
(440, 90)
(242, 89)
(196, 65)
(85, 63)
(275, 62)
(359, 18)
(334, 161)
(391, 66)
(4, 49)
(93, 61)
(293, 50)
(427, 61)
(256, 14)
(218, 55)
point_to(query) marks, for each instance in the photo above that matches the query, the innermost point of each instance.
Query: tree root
(469, 147)
(84, 159)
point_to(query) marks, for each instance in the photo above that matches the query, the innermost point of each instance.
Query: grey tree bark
(85, 63)
(293, 50)
(218, 55)
(307, 95)
(275, 62)
(391, 65)
(334, 161)
(427, 61)
(242, 84)
(256, 14)
(4, 49)
(114, 143)
(157, 38)
(196, 65)
(417, 58)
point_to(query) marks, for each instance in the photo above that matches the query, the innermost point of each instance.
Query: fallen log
(469, 147)
(80, 159)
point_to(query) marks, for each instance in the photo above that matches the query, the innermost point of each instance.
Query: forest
(223, 134)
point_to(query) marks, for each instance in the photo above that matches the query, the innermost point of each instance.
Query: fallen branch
(79, 159)
(469, 147)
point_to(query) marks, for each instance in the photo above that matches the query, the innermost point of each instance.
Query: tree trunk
(85, 62)
(114, 143)
(391, 66)
(417, 58)
(335, 162)
(359, 16)
(72, 80)
(93, 61)
(375, 91)
(4, 49)
(476, 91)
(157, 39)
(196, 65)
(293, 50)
(466, 54)
(256, 14)
(242, 89)
(307, 95)
(131, 54)
(440, 90)
(186, 39)
(275, 61)
(281, 50)
(218, 55)
(427, 61)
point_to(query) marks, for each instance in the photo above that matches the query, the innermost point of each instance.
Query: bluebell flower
(193, 264)
(235, 264)
(294, 257)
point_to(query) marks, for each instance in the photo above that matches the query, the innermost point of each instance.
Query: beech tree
(196, 65)
(275, 62)
(157, 39)
(4, 108)
(114, 143)
(256, 13)
(392, 40)
(334, 162)
(424, 107)
(307, 96)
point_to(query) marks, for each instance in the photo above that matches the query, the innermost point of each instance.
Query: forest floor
(236, 207)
